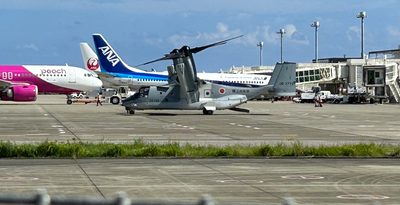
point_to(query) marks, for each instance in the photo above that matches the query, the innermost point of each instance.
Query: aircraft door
(71, 75)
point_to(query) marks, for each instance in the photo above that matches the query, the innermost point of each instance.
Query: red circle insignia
(222, 90)
(93, 64)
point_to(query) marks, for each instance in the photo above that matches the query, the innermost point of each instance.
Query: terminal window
(307, 76)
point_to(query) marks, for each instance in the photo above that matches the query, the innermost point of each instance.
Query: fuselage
(210, 94)
(51, 78)
(118, 73)
(135, 80)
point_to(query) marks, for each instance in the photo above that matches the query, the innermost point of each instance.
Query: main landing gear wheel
(129, 111)
(115, 100)
(69, 101)
(208, 112)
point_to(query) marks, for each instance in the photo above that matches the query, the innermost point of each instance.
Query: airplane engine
(20, 93)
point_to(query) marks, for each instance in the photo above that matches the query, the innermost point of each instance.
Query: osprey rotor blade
(185, 50)
(153, 61)
(198, 49)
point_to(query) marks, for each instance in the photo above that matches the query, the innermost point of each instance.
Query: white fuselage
(68, 77)
(51, 78)
(137, 81)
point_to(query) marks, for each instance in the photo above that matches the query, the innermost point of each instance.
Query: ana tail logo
(93, 64)
(111, 57)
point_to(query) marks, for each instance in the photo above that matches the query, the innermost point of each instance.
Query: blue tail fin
(109, 59)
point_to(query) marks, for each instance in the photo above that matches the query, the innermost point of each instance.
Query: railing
(391, 81)
(395, 89)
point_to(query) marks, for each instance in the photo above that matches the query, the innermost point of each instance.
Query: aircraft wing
(105, 75)
(4, 84)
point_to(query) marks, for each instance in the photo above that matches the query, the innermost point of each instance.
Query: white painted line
(306, 177)
(256, 128)
(38, 134)
(145, 135)
(247, 126)
(366, 125)
(232, 123)
(56, 126)
(206, 135)
(240, 181)
(362, 197)
(18, 178)
(271, 135)
(344, 135)
(118, 128)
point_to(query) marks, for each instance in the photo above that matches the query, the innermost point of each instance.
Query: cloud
(393, 31)
(30, 46)
(222, 31)
(222, 28)
(290, 29)
(260, 33)
(154, 41)
(352, 32)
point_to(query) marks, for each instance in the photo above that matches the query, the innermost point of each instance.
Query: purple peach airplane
(23, 82)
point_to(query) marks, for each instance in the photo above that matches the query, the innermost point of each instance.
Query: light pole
(261, 44)
(316, 26)
(281, 32)
(362, 15)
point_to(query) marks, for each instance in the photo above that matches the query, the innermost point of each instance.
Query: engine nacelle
(20, 93)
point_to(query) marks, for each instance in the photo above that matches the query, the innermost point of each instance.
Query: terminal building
(377, 74)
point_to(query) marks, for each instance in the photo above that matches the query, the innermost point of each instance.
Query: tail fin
(283, 79)
(90, 60)
(109, 59)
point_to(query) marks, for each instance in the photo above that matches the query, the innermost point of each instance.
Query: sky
(49, 31)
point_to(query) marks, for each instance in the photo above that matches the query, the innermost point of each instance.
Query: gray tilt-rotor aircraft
(185, 91)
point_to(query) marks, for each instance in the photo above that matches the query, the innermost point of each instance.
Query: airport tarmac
(241, 181)
(236, 181)
(51, 119)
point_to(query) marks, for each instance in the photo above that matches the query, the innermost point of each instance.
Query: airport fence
(42, 198)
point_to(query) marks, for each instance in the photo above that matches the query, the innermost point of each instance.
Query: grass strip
(138, 148)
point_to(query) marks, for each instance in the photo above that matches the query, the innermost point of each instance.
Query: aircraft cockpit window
(144, 91)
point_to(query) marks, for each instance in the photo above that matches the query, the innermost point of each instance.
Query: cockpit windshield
(143, 92)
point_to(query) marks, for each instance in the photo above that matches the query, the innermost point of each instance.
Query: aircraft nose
(97, 83)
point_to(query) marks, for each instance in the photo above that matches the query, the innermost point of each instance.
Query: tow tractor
(116, 96)
(82, 97)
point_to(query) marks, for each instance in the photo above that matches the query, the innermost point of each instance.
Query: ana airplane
(185, 91)
(115, 72)
(24, 82)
